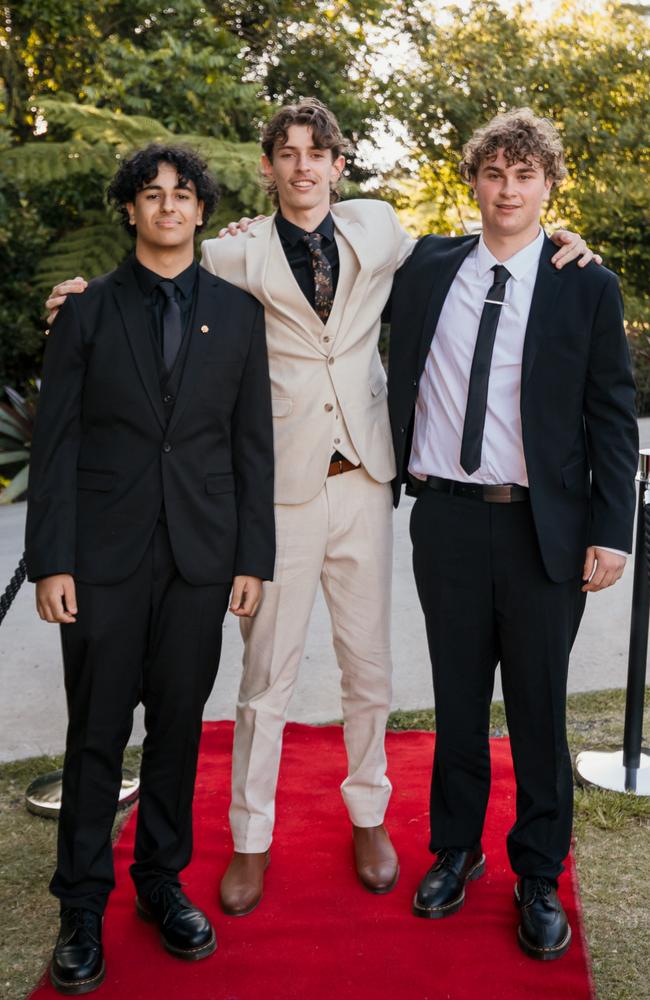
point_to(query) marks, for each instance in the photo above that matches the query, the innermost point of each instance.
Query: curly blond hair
(522, 136)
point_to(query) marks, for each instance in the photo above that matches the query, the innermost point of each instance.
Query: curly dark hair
(325, 131)
(141, 168)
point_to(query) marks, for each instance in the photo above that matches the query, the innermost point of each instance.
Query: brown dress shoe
(375, 858)
(243, 883)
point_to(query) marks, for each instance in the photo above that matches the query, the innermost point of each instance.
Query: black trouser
(154, 638)
(487, 599)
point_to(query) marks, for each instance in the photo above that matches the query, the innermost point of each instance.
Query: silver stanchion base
(43, 796)
(604, 769)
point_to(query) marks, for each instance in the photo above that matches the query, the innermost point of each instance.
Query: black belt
(509, 493)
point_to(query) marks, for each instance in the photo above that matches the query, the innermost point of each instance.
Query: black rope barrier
(12, 588)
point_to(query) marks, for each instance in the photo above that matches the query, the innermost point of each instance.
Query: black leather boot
(77, 964)
(184, 930)
(442, 890)
(544, 931)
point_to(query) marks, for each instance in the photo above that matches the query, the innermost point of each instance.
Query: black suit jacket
(579, 425)
(106, 456)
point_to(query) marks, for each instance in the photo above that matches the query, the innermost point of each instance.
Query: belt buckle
(497, 494)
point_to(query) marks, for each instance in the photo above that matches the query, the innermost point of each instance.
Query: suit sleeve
(208, 260)
(50, 534)
(611, 426)
(227, 259)
(252, 457)
(404, 243)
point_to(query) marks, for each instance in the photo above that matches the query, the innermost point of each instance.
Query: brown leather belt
(509, 493)
(339, 466)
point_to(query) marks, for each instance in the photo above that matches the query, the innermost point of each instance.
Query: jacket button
(415, 383)
(402, 430)
(167, 398)
(337, 440)
(330, 361)
(326, 340)
(328, 407)
(167, 447)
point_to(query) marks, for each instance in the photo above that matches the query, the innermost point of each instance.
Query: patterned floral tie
(323, 283)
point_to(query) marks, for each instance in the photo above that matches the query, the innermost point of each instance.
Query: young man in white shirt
(512, 411)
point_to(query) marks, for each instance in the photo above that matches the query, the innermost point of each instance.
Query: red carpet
(318, 935)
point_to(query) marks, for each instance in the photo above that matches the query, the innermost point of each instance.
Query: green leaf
(7, 457)
(16, 487)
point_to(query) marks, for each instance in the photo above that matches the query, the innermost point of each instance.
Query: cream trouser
(343, 537)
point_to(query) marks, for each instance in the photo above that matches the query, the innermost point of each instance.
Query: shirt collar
(519, 264)
(293, 234)
(148, 280)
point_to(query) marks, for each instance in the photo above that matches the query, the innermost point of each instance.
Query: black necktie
(470, 450)
(323, 282)
(172, 324)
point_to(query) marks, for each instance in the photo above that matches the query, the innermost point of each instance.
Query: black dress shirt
(154, 304)
(299, 257)
(154, 298)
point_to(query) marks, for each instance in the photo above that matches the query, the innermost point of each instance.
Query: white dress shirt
(442, 396)
(442, 393)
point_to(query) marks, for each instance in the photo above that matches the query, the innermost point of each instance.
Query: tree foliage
(588, 71)
(82, 85)
(198, 66)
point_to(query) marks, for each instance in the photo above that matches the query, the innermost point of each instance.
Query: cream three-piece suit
(328, 392)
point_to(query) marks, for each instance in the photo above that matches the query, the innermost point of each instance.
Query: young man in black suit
(150, 497)
(512, 412)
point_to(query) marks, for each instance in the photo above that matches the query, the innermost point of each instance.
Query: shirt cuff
(618, 552)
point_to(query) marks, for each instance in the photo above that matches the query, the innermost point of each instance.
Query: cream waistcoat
(323, 371)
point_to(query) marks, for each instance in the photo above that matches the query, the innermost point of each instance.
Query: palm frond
(16, 487)
(94, 248)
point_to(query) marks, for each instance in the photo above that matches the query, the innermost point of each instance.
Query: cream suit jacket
(320, 369)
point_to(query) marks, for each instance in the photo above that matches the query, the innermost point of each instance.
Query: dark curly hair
(141, 168)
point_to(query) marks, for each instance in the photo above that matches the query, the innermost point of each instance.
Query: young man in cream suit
(323, 273)
(332, 483)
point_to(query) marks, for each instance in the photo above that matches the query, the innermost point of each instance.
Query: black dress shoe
(442, 890)
(77, 964)
(544, 931)
(184, 930)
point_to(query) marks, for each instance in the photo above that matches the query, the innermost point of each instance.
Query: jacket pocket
(223, 482)
(281, 406)
(93, 479)
(574, 473)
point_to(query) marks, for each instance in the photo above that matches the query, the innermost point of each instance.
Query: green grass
(27, 850)
(612, 848)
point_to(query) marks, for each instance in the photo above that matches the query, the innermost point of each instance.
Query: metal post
(629, 770)
(639, 624)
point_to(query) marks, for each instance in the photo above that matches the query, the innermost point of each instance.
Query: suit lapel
(131, 307)
(204, 324)
(446, 267)
(545, 292)
(271, 280)
(355, 254)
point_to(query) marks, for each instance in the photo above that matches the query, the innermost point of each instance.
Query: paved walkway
(32, 706)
